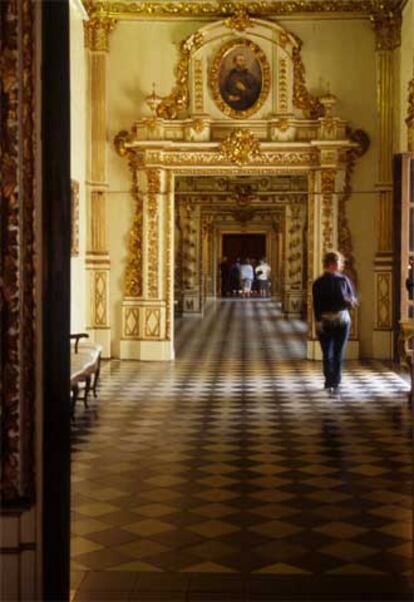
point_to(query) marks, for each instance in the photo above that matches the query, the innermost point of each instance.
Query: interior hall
(207, 300)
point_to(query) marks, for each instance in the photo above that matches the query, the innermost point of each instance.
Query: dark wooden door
(252, 246)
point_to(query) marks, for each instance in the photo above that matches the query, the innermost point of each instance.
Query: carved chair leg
(87, 389)
(96, 379)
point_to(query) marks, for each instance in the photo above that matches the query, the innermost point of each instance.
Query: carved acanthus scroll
(410, 116)
(154, 187)
(295, 263)
(302, 99)
(177, 101)
(134, 268)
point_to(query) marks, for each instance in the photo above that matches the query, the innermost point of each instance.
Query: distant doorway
(244, 245)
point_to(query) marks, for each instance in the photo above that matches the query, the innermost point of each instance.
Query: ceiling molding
(217, 9)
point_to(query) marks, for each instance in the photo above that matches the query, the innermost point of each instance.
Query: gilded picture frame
(239, 78)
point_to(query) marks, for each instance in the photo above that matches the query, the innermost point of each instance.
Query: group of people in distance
(246, 278)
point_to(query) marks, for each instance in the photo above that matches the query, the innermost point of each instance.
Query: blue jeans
(333, 340)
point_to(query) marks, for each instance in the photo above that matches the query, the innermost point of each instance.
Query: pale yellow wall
(406, 70)
(342, 53)
(141, 53)
(78, 147)
(339, 52)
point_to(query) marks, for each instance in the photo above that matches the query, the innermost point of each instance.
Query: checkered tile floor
(230, 474)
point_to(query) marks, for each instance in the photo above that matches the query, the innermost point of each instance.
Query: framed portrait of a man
(240, 78)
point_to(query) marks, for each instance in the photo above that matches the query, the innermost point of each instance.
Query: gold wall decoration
(302, 99)
(283, 85)
(218, 9)
(131, 322)
(178, 99)
(134, 267)
(295, 236)
(387, 27)
(18, 317)
(198, 86)
(100, 301)
(168, 243)
(410, 117)
(328, 191)
(246, 186)
(189, 247)
(313, 270)
(282, 124)
(199, 125)
(154, 188)
(120, 142)
(96, 240)
(214, 77)
(240, 21)
(152, 322)
(182, 161)
(383, 298)
(98, 29)
(240, 147)
(74, 201)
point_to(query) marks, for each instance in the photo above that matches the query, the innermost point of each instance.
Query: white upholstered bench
(85, 366)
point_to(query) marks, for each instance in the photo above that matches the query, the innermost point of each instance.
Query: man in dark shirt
(333, 296)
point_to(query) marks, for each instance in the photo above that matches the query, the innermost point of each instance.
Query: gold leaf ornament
(240, 21)
(178, 99)
(240, 147)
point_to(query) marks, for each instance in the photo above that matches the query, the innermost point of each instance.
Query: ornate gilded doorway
(205, 128)
(208, 209)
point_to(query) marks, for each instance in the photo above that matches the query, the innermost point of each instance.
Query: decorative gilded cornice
(98, 27)
(122, 9)
(240, 21)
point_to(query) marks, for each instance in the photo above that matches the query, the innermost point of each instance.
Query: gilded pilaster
(293, 290)
(189, 214)
(388, 38)
(207, 236)
(149, 297)
(97, 32)
(325, 233)
(317, 199)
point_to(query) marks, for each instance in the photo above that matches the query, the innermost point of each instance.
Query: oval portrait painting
(240, 77)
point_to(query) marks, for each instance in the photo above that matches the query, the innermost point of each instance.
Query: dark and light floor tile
(230, 474)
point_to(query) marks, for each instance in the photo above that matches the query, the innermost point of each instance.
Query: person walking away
(225, 277)
(235, 277)
(333, 297)
(263, 277)
(255, 286)
(247, 276)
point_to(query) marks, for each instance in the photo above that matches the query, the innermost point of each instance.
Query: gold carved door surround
(291, 132)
